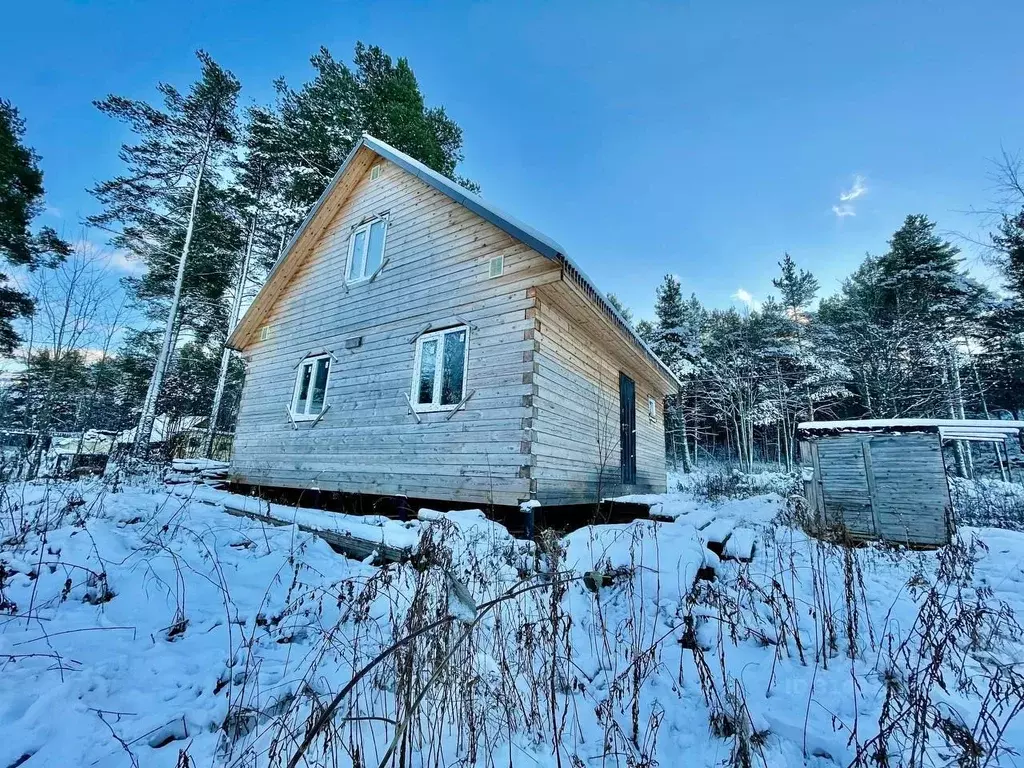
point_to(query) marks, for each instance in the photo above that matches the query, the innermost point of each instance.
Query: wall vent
(497, 267)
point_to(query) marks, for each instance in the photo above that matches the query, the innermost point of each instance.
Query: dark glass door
(627, 428)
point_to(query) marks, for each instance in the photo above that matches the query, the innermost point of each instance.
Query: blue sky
(702, 139)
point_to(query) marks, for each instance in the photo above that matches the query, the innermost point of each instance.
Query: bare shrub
(988, 503)
(719, 482)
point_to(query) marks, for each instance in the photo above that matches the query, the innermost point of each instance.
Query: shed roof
(526, 234)
(951, 429)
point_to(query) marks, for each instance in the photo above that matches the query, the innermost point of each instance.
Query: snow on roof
(945, 427)
(163, 427)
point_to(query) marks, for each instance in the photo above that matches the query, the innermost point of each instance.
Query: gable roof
(541, 243)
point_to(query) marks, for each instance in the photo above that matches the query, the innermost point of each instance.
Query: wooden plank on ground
(352, 546)
(718, 530)
(740, 544)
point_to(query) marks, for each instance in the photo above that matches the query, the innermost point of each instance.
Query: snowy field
(138, 627)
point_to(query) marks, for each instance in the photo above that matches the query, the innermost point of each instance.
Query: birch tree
(171, 172)
(79, 307)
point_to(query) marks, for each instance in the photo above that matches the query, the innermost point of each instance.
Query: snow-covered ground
(138, 626)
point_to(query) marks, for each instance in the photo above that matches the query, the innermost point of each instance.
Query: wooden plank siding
(437, 256)
(543, 365)
(575, 373)
(889, 486)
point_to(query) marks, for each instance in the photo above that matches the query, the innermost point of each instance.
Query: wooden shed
(886, 479)
(413, 340)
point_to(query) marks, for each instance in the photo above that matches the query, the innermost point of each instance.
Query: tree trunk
(981, 389)
(867, 390)
(687, 462)
(225, 357)
(140, 447)
(957, 403)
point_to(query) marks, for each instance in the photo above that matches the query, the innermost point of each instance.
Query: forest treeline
(210, 193)
(910, 334)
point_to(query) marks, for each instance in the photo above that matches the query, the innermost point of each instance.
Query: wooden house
(415, 341)
(887, 479)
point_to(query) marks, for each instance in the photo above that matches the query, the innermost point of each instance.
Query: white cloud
(857, 190)
(744, 296)
(120, 261)
(117, 260)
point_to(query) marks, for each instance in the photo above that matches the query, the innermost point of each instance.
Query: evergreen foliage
(171, 210)
(21, 198)
(624, 312)
(21, 201)
(312, 129)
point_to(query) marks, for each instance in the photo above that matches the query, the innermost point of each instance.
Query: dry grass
(587, 670)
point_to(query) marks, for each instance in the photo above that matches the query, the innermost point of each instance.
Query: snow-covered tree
(625, 312)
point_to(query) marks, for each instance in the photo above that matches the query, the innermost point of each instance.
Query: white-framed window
(439, 373)
(652, 407)
(366, 249)
(310, 396)
(376, 171)
(264, 333)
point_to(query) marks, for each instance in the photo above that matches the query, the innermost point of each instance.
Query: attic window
(652, 407)
(496, 267)
(310, 394)
(376, 171)
(366, 249)
(264, 333)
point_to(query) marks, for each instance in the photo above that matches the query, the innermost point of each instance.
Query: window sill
(434, 408)
(299, 418)
(360, 281)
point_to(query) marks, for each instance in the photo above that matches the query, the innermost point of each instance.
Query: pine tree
(49, 391)
(1008, 243)
(670, 340)
(169, 196)
(813, 372)
(904, 323)
(21, 201)
(645, 330)
(257, 198)
(624, 312)
(676, 339)
(313, 128)
(922, 277)
(798, 287)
